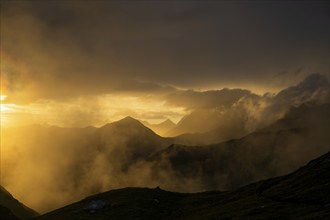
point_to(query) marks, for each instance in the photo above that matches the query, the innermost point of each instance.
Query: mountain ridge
(161, 128)
(290, 196)
(90, 161)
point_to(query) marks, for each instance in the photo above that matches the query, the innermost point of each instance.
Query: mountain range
(126, 153)
(49, 167)
(275, 150)
(161, 128)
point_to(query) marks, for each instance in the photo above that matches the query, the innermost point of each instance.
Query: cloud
(76, 162)
(191, 99)
(92, 110)
(315, 88)
(65, 50)
(235, 113)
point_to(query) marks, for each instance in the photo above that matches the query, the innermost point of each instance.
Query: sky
(80, 63)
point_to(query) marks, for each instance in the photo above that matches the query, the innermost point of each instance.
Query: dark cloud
(314, 88)
(191, 99)
(95, 46)
(238, 112)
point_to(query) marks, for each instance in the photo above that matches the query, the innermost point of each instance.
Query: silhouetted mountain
(303, 194)
(275, 150)
(222, 133)
(199, 121)
(6, 214)
(76, 161)
(161, 128)
(10, 208)
(130, 140)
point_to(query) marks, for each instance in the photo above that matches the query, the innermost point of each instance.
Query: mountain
(6, 214)
(11, 209)
(75, 162)
(198, 121)
(303, 194)
(276, 150)
(130, 140)
(161, 128)
(222, 133)
(79, 162)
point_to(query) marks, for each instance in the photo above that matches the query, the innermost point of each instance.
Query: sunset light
(108, 107)
(2, 97)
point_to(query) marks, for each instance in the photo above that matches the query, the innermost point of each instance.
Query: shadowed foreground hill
(303, 194)
(11, 209)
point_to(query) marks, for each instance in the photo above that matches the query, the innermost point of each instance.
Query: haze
(212, 71)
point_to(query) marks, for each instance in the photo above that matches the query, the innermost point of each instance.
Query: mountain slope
(126, 153)
(272, 151)
(161, 128)
(10, 208)
(303, 194)
(7, 214)
(74, 161)
(130, 141)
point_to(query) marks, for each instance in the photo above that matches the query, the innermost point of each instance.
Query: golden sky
(71, 64)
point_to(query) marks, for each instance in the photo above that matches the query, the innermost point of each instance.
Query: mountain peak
(162, 127)
(168, 122)
(127, 123)
(129, 119)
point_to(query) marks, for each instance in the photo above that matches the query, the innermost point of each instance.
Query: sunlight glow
(3, 97)
(86, 111)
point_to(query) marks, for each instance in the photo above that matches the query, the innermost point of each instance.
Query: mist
(247, 90)
(48, 167)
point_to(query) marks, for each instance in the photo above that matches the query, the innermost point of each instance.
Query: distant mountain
(11, 209)
(199, 121)
(222, 133)
(161, 128)
(276, 150)
(303, 194)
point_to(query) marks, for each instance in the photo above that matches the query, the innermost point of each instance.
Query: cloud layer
(58, 50)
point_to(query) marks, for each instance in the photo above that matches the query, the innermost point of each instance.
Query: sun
(4, 109)
(7, 114)
(3, 97)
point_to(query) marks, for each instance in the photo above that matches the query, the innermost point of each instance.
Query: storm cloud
(55, 50)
